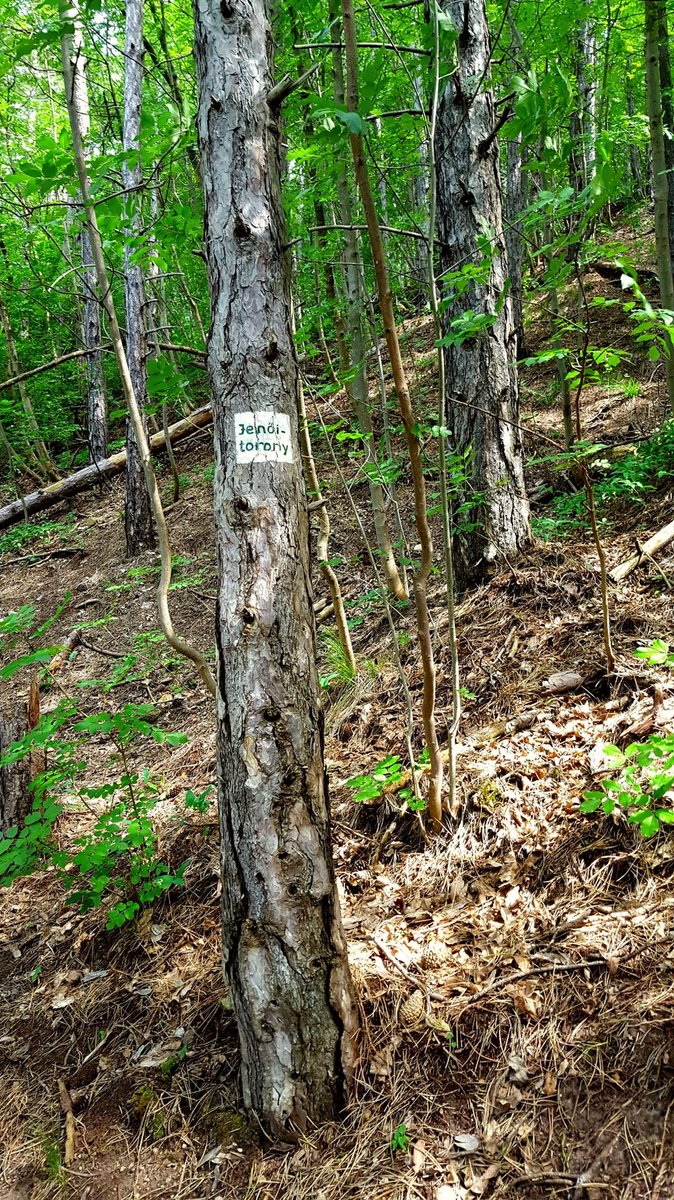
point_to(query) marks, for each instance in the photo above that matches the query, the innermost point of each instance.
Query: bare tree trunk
(97, 406)
(421, 188)
(660, 182)
(97, 415)
(283, 946)
(137, 510)
(637, 169)
(515, 202)
(323, 541)
(158, 326)
(667, 112)
(587, 87)
(482, 392)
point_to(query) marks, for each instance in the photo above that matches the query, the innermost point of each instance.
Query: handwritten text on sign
(262, 437)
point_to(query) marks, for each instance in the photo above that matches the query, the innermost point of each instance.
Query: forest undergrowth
(515, 978)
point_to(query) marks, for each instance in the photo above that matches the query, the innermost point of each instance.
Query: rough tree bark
(283, 946)
(482, 393)
(137, 511)
(15, 778)
(97, 414)
(660, 181)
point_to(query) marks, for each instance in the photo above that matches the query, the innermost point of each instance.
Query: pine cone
(434, 955)
(412, 1011)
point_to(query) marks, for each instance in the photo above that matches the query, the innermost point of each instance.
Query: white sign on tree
(262, 437)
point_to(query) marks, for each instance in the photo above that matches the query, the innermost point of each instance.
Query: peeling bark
(283, 946)
(482, 392)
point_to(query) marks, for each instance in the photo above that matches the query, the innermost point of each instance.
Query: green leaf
(353, 121)
(592, 801)
(29, 660)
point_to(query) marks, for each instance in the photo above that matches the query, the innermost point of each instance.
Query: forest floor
(538, 942)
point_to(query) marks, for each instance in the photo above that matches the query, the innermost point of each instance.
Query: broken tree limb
(48, 366)
(659, 540)
(96, 472)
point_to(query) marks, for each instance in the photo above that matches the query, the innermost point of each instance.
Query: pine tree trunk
(283, 947)
(482, 392)
(137, 511)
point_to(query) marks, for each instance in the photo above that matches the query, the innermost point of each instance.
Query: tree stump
(15, 778)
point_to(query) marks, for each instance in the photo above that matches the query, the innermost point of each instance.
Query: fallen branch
(659, 540)
(54, 493)
(67, 1109)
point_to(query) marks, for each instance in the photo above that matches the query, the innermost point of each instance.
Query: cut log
(659, 540)
(96, 472)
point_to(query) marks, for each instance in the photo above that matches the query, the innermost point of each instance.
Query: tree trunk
(515, 202)
(97, 407)
(482, 392)
(636, 165)
(667, 112)
(97, 414)
(660, 183)
(587, 88)
(283, 946)
(15, 778)
(137, 511)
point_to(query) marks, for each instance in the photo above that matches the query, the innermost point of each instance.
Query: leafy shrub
(116, 861)
(645, 785)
